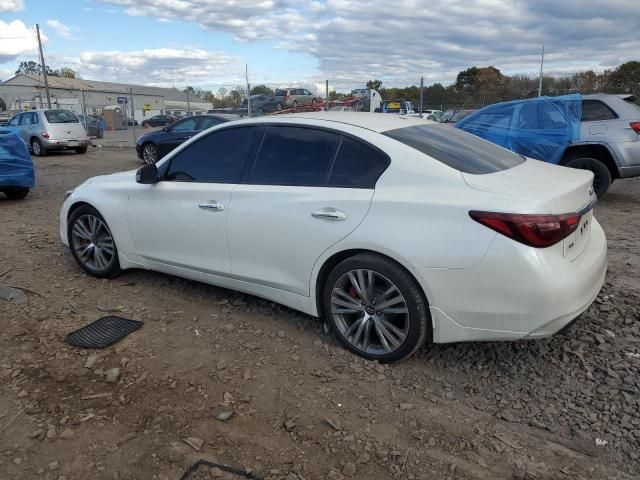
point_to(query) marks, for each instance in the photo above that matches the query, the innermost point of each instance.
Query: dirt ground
(301, 407)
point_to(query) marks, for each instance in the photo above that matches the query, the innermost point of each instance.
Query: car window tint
(216, 158)
(459, 150)
(60, 116)
(357, 165)
(15, 121)
(185, 125)
(294, 156)
(595, 110)
(209, 122)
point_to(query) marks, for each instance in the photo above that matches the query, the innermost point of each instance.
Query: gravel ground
(241, 381)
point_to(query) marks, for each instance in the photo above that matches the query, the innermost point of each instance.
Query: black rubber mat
(200, 470)
(103, 332)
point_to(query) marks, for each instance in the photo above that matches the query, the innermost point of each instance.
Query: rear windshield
(60, 116)
(460, 150)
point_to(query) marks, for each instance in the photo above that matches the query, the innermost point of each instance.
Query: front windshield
(60, 116)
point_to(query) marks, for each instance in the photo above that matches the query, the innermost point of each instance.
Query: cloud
(366, 38)
(160, 67)
(61, 29)
(17, 39)
(11, 5)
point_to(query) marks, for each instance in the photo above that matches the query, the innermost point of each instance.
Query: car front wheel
(376, 308)
(16, 193)
(92, 244)
(149, 153)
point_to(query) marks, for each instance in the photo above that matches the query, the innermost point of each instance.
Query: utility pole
(541, 64)
(44, 68)
(246, 72)
(188, 104)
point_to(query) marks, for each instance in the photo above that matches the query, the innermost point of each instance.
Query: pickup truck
(397, 106)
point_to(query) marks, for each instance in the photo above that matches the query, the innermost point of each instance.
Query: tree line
(36, 69)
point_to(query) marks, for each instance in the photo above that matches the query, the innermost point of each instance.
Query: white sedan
(399, 231)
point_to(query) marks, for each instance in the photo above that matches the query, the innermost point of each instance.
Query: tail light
(538, 231)
(44, 134)
(635, 126)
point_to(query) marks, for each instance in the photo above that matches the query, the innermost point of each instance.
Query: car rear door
(179, 224)
(296, 199)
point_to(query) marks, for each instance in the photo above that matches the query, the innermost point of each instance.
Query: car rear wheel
(37, 148)
(16, 193)
(601, 174)
(149, 153)
(376, 308)
(278, 106)
(81, 150)
(313, 102)
(295, 104)
(92, 244)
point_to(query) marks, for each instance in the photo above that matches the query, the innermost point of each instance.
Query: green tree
(261, 90)
(625, 78)
(68, 73)
(374, 84)
(29, 67)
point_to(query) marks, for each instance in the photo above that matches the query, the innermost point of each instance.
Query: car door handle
(330, 214)
(213, 205)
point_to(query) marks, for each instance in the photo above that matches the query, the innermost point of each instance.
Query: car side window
(15, 121)
(595, 110)
(185, 125)
(25, 120)
(294, 156)
(306, 92)
(357, 165)
(34, 118)
(209, 122)
(216, 158)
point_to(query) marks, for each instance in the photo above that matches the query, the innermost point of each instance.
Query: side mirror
(165, 128)
(147, 174)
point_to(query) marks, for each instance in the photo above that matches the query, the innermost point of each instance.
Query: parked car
(132, 121)
(260, 104)
(602, 136)
(435, 115)
(47, 130)
(94, 125)
(16, 167)
(457, 115)
(152, 146)
(292, 97)
(494, 246)
(397, 106)
(158, 121)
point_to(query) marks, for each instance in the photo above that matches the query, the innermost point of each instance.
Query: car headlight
(68, 193)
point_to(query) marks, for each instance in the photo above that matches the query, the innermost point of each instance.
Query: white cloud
(366, 38)
(17, 39)
(161, 66)
(61, 29)
(11, 5)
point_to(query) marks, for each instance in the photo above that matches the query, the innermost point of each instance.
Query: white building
(27, 91)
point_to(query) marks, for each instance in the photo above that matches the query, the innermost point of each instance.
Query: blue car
(540, 128)
(16, 167)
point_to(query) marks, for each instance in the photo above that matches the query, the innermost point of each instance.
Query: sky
(207, 43)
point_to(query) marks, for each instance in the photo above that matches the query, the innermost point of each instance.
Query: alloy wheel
(35, 146)
(150, 153)
(92, 242)
(370, 312)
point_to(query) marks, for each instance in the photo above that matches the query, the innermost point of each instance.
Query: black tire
(16, 193)
(112, 267)
(145, 124)
(418, 327)
(81, 150)
(149, 153)
(295, 104)
(100, 134)
(601, 174)
(278, 106)
(313, 102)
(37, 148)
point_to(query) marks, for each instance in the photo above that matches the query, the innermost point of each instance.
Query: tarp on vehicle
(16, 166)
(539, 128)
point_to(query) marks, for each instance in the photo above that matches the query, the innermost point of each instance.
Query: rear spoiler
(629, 97)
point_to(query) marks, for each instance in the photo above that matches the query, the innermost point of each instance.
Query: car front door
(15, 124)
(176, 134)
(178, 225)
(291, 205)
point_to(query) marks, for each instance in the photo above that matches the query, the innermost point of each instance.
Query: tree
(625, 78)
(67, 72)
(29, 67)
(190, 90)
(261, 90)
(374, 84)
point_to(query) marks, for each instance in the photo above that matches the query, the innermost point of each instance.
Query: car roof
(377, 122)
(225, 116)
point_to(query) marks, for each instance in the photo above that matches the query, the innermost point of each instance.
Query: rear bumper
(627, 172)
(53, 144)
(628, 156)
(517, 292)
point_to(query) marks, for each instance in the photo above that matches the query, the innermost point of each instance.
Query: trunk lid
(547, 189)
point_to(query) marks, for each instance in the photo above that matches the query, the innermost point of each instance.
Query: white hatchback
(399, 231)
